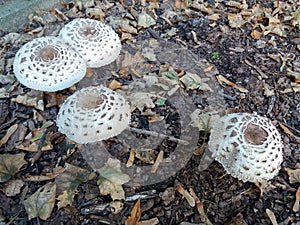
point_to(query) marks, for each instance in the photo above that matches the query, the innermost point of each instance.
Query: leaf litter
(263, 23)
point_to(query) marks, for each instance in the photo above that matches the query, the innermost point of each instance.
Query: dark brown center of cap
(255, 134)
(88, 31)
(47, 53)
(89, 100)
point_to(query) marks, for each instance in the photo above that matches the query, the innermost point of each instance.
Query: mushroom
(248, 146)
(93, 114)
(95, 41)
(48, 64)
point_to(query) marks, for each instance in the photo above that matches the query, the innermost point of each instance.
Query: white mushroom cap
(248, 146)
(93, 114)
(97, 42)
(48, 64)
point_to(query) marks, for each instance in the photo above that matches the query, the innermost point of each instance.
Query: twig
(263, 75)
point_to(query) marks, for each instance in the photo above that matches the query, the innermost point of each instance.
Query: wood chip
(200, 208)
(152, 221)
(158, 160)
(186, 195)
(135, 215)
(297, 201)
(130, 159)
(221, 79)
(272, 217)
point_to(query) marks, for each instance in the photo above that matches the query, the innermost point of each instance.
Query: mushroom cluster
(56, 63)
(248, 146)
(93, 114)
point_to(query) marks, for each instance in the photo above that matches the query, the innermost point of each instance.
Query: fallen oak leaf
(41, 203)
(135, 214)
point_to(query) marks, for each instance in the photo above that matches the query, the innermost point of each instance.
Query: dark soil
(226, 200)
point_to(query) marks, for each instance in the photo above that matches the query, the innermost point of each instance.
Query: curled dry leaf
(41, 203)
(10, 165)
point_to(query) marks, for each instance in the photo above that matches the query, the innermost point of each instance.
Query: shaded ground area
(247, 52)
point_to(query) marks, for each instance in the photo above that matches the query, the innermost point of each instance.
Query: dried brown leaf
(41, 203)
(135, 215)
(114, 85)
(10, 165)
(111, 179)
(294, 175)
(9, 132)
(256, 34)
(181, 4)
(33, 98)
(236, 20)
(13, 187)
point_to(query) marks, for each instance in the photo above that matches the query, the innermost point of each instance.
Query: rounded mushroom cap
(93, 114)
(95, 41)
(48, 64)
(248, 146)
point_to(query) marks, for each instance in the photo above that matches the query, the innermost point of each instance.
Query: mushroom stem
(158, 135)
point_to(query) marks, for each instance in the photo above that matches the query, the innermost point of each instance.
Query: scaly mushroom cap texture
(48, 64)
(97, 42)
(248, 146)
(93, 114)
